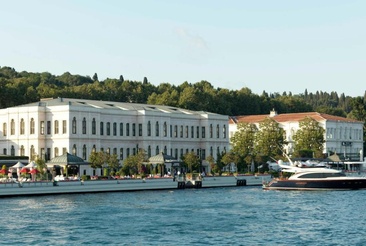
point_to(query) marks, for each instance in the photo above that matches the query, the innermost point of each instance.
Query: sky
(265, 45)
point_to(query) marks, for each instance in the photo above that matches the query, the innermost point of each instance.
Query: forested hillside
(18, 88)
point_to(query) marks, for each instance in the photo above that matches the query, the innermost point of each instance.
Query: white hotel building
(52, 127)
(342, 135)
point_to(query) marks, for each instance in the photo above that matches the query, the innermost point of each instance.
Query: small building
(342, 135)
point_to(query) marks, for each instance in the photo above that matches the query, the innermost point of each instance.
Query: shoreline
(41, 188)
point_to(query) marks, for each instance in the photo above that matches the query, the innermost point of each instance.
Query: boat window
(321, 175)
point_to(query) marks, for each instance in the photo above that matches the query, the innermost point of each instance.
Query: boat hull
(351, 184)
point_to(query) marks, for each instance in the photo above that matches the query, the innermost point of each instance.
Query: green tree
(269, 140)
(97, 159)
(309, 139)
(243, 140)
(112, 161)
(130, 165)
(192, 161)
(231, 157)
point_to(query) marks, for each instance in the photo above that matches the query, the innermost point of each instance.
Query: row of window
(111, 129)
(346, 133)
(46, 154)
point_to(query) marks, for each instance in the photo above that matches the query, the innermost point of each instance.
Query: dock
(11, 189)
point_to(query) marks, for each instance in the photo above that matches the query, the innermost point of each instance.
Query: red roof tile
(295, 117)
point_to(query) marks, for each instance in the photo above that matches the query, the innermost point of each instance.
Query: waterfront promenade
(9, 189)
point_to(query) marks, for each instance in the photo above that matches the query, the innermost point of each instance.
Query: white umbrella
(18, 165)
(31, 165)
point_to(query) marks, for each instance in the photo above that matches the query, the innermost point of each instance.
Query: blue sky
(274, 46)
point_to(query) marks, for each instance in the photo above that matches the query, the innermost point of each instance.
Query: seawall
(123, 185)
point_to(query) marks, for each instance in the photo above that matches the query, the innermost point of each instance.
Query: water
(220, 216)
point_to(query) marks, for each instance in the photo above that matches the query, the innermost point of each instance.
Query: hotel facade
(342, 135)
(52, 127)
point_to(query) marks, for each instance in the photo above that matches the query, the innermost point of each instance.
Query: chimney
(272, 113)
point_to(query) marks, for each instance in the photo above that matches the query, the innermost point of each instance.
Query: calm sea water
(220, 216)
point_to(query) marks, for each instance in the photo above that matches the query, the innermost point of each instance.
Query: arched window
(22, 125)
(157, 129)
(94, 127)
(32, 126)
(22, 150)
(56, 152)
(157, 150)
(4, 129)
(12, 151)
(108, 128)
(165, 129)
(114, 129)
(74, 125)
(84, 126)
(121, 129)
(84, 152)
(74, 149)
(101, 128)
(12, 127)
(149, 128)
(32, 153)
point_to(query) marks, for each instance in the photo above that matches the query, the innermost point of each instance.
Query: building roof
(293, 117)
(125, 106)
(67, 159)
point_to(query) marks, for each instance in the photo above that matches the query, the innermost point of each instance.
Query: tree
(231, 157)
(269, 140)
(112, 162)
(211, 162)
(358, 112)
(309, 139)
(192, 161)
(97, 159)
(95, 77)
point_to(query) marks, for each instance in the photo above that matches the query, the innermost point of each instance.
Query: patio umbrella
(31, 165)
(33, 172)
(18, 165)
(24, 170)
(3, 171)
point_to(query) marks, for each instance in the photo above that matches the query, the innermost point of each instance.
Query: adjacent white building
(52, 127)
(342, 135)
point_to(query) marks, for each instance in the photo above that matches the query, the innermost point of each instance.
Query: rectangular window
(140, 130)
(121, 129)
(133, 129)
(108, 128)
(56, 126)
(101, 128)
(203, 132)
(192, 131)
(181, 131)
(198, 132)
(128, 129)
(48, 127)
(114, 129)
